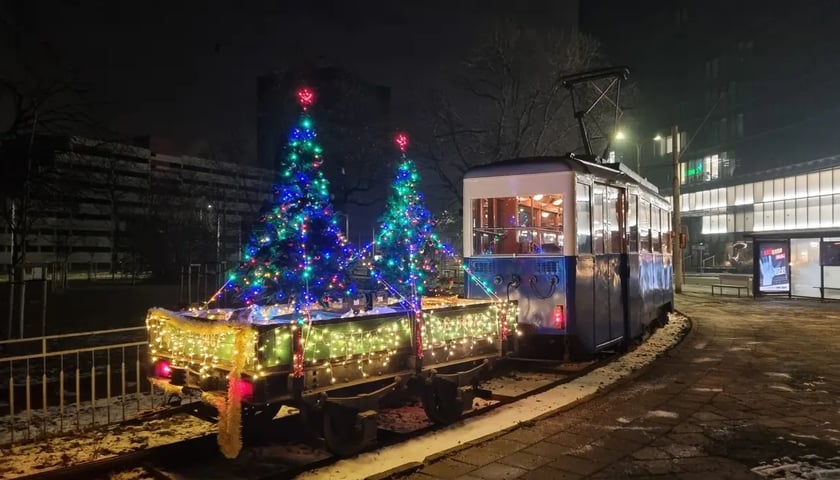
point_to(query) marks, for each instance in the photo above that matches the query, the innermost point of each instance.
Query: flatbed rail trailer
(335, 367)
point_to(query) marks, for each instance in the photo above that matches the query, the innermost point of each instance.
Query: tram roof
(532, 165)
(528, 165)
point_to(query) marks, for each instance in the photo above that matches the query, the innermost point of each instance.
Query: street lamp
(620, 135)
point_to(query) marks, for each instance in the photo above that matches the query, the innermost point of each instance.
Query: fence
(199, 281)
(62, 383)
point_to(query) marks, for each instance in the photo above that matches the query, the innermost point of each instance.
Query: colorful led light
(401, 139)
(305, 97)
(296, 253)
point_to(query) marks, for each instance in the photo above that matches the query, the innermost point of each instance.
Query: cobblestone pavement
(752, 392)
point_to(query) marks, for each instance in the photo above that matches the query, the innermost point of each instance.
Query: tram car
(584, 248)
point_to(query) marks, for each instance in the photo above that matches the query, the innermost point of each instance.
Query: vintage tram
(583, 247)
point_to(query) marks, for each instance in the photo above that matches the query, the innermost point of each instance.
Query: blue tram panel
(539, 284)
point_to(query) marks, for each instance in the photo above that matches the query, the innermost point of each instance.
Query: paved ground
(753, 392)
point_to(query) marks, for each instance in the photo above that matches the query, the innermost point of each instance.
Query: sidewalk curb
(411, 467)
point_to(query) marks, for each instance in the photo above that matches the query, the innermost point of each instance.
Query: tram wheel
(442, 403)
(344, 431)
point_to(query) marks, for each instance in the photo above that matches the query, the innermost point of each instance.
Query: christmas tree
(407, 245)
(296, 253)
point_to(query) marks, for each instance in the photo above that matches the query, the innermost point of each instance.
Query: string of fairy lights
(297, 254)
(372, 342)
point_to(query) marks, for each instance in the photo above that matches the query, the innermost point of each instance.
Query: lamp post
(218, 230)
(620, 136)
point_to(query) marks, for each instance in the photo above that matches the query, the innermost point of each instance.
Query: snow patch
(705, 360)
(707, 389)
(783, 388)
(778, 375)
(810, 466)
(58, 452)
(662, 414)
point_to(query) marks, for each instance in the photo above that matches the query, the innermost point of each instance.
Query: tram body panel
(584, 312)
(538, 298)
(635, 314)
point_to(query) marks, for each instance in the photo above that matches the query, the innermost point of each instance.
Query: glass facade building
(782, 225)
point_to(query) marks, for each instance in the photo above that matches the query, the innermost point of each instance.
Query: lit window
(714, 170)
(518, 225)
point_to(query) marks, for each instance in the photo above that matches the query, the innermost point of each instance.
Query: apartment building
(102, 206)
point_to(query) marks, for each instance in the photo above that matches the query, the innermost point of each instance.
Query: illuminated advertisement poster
(773, 267)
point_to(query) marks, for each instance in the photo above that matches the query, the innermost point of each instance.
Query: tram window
(632, 225)
(655, 219)
(644, 226)
(598, 219)
(584, 226)
(612, 223)
(518, 225)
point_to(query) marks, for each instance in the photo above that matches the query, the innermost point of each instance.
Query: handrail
(71, 351)
(70, 335)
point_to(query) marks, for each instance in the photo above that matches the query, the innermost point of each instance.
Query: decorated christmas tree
(296, 253)
(407, 246)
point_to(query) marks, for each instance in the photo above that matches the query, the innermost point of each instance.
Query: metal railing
(73, 382)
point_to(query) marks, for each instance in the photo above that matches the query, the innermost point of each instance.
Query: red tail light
(560, 317)
(163, 369)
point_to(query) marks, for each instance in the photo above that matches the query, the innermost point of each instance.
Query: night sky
(186, 71)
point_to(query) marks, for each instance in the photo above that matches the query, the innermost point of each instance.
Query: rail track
(282, 452)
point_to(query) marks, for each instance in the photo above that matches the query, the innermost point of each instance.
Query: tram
(583, 247)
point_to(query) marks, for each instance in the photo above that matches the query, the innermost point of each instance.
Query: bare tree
(508, 101)
(40, 102)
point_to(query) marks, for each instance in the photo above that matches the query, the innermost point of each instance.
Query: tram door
(608, 245)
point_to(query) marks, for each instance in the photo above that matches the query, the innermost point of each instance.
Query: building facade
(105, 207)
(781, 225)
